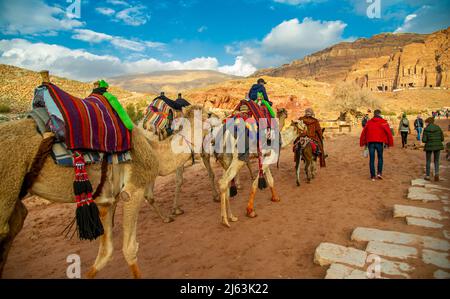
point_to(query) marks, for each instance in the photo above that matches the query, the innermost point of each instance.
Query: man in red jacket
(376, 133)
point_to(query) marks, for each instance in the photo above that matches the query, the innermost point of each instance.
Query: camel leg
(150, 198)
(176, 211)
(15, 226)
(251, 200)
(207, 163)
(130, 245)
(298, 168)
(270, 181)
(106, 248)
(224, 186)
(230, 215)
(314, 168)
(249, 166)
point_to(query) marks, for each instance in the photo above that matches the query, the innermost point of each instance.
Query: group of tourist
(377, 135)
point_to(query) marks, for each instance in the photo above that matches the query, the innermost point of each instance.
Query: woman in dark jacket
(432, 138)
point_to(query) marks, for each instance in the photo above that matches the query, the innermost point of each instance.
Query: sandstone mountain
(385, 61)
(169, 81)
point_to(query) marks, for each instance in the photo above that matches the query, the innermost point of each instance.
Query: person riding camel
(101, 88)
(314, 131)
(258, 94)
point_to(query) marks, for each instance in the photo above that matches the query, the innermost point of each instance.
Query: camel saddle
(89, 124)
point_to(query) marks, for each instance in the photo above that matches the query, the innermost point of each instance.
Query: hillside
(423, 60)
(169, 81)
(17, 87)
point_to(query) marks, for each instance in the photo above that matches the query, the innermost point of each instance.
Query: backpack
(405, 123)
(253, 94)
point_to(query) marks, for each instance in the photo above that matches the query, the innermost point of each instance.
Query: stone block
(422, 222)
(439, 259)
(328, 253)
(404, 211)
(392, 250)
(439, 274)
(418, 193)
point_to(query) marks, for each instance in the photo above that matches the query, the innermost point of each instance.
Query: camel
(235, 165)
(131, 182)
(225, 160)
(55, 183)
(170, 162)
(177, 163)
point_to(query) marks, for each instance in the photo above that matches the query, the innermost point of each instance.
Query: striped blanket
(156, 115)
(255, 111)
(90, 123)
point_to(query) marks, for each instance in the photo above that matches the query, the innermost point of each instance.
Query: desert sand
(279, 243)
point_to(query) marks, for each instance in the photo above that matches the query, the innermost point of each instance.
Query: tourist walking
(375, 135)
(418, 126)
(433, 138)
(404, 129)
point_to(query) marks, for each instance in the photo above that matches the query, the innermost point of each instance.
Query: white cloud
(241, 67)
(426, 19)
(202, 29)
(82, 65)
(289, 40)
(119, 42)
(33, 17)
(133, 16)
(118, 2)
(105, 11)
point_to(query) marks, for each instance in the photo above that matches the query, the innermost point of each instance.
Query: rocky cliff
(382, 61)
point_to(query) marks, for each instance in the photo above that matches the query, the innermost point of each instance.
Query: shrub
(134, 113)
(5, 108)
(350, 97)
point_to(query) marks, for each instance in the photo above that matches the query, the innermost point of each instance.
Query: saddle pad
(256, 111)
(90, 123)
(64, 156)
(157, 120)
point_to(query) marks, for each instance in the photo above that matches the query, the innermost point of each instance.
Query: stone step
(439, 274)
(395, 268)
(404, 211)
(439, 259)
(329, 253)
(423, 222)
(339, 271)
(392, 250)
(418, 193)
(365, 234)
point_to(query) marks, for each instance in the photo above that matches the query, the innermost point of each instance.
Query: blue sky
(116, 37)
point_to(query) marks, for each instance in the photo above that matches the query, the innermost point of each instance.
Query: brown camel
(226, 159)
(287, 137)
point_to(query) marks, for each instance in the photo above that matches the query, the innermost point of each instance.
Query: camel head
(282, 115)
(299, 125)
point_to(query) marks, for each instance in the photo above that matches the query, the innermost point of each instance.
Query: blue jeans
(419, 133)
(436, 155)
(378, 147)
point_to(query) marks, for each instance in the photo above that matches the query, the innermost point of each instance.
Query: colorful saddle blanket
(89, 124)
(158, 114)
(250, 109)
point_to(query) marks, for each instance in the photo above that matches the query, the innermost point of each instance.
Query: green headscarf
(102, 83)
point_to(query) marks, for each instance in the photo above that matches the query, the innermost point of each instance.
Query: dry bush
(349, 97)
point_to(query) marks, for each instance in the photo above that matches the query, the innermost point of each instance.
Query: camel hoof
(136, 272)
(251, 214)
(298, 184)
(233, 219)
(225, 222)
(92, 273)
(177, 212)
(216, 199)
(168, 219)
(275, 199)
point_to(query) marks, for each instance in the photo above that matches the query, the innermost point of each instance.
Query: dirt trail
(279, 243)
